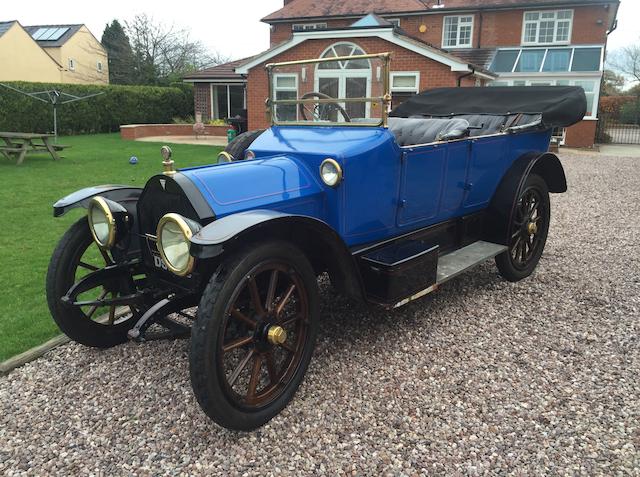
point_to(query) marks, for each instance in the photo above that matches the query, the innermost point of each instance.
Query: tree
(163, 54)
(612, 84)
(116, 42)
(627, 62)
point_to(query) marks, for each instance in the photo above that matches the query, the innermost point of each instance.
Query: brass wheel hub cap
(532, 228)
(276, 335)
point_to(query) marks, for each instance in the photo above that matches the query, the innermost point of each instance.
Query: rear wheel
(528, 231)
(76, 256)
(254, 335)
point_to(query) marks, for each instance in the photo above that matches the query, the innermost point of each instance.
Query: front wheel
(528, 231)
(254, 335)
(75, 257)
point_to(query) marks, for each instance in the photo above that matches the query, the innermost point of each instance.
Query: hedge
(105, 113)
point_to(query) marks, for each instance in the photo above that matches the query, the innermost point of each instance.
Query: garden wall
(105, 113)
(136, 131)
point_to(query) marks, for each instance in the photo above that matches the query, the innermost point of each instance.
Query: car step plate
(453, 264)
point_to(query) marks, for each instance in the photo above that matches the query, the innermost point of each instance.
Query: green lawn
(29, 233)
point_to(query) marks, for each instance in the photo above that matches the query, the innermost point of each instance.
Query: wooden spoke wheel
(76, 256)
(254, 335)
(528, 230)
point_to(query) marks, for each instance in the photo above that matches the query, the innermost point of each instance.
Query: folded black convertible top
(559, 106)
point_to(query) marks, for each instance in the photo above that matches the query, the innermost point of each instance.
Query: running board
(457, 262)
(453, 264)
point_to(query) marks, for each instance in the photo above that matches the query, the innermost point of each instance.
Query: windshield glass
(344, 87)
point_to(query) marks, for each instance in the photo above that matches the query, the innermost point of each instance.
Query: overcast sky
(232, 27)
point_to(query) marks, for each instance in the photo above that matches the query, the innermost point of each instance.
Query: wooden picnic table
(17, 144)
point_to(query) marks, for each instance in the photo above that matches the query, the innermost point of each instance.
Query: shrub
(630, 113)
(105, 113)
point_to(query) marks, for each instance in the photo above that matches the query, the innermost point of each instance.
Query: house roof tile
(218, 72)
(297, 9)
(4, 26)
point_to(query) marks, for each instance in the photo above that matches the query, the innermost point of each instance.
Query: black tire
(61, 275)
(525, 248)
(209, 379)
(241, 143)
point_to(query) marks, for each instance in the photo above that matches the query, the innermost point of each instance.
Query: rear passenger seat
(412, 131)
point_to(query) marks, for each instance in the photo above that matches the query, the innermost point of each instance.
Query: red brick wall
(135, 131)
(432, 73)
(582, 134)
(499, 28)
(202, 100)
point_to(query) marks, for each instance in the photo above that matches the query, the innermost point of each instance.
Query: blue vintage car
(390, 206)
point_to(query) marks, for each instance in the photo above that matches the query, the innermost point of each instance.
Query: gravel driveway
(484, 377)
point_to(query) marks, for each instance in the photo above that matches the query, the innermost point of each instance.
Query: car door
(432, 183)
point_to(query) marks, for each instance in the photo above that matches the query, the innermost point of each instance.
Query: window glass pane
(285, 82)
(499, 83)
(563, 31)
(586, 59)
(531, 32)
(564, 14)
(557, 60)
(547, 30)
(343, 50)
(531, 16)
(465, 36)
(286, 112)
(530, 61)
(404, 81)
(519, 83)
(504, 61)
(236, 98)
(356, 88)
(562, 83)
(589, 88)
(222, 102)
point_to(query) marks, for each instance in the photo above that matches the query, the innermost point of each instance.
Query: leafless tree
(626, 61)
(166, 52)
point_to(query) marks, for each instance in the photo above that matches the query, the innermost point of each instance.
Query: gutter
(466, 75)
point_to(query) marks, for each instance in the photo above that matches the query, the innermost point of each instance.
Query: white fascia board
(551, 75)
(383, 33)
(215, 81)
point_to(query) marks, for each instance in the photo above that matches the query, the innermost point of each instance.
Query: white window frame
(544, 59)
(308, 26)
(285, 88)
(214, 105)
(72, 64)
(458, 44)
(537, 42)
(415, 74)
(553, 81)
(99, 66)
(394, 21)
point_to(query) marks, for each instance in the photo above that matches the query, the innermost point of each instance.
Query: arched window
(345, 78)
(341, 50)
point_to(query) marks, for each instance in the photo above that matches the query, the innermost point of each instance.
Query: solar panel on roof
(38, 33)
(49, 34)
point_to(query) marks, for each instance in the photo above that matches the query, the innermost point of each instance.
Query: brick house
(434, 43)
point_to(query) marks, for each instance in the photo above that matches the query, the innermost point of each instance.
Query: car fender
(321, 244)
(502, 205)
(125, 195)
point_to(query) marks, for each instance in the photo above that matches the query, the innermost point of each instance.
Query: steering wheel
(320, 111)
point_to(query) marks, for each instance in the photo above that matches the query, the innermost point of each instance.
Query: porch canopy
(558, 106)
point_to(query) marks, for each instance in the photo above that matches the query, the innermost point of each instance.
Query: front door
(346, 85)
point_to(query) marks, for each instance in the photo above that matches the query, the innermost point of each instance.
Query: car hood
(336, 141)
(272, 182)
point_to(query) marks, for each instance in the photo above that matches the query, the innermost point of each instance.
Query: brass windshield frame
(384, 100)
